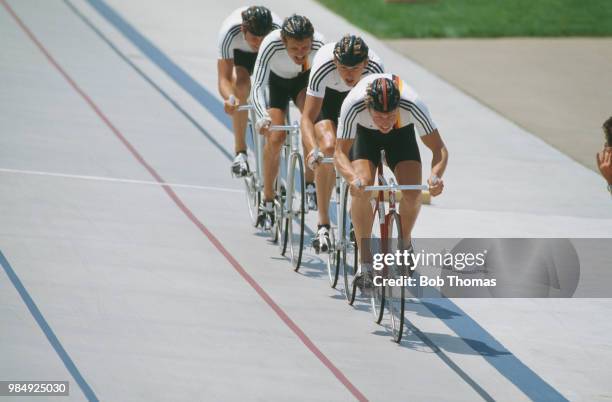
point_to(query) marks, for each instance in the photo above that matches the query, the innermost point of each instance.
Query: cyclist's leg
(299, 100)
(403, 157)
(325, 177)
(362, 214)
(409, 172)
(274, 142)
(365, 156)
(279, 94)
(242, 88)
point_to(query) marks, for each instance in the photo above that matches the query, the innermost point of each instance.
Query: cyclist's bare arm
(312, 108)
(341, 160)
(439, 160)
(225, 69)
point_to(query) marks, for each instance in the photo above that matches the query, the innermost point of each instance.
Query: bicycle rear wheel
(349, 249)
(253, 197)
(378, 244)
(280, 210)
(333, 260)
(395, 295)
(294, 219)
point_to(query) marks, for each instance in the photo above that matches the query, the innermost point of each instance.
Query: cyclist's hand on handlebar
(357, 187)
(230, 105)
(436, 185)
(313, 158)
(263, 124)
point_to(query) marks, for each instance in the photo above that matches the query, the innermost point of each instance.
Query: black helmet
(350, 50)
(383, 95)
(297, 27)
(257, 20)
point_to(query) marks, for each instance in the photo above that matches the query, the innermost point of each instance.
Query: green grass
(477, 18)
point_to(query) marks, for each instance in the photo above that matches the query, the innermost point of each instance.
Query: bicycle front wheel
(295, 210)
(395, 295)
(333, 261)
(253, 197)
(379, 244)
(349, 250)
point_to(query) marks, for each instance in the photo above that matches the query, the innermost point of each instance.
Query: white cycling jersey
(354, 111)
(231, 37)
(273, 57)
(324, 73)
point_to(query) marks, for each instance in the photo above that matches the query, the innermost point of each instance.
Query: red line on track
(181, 205)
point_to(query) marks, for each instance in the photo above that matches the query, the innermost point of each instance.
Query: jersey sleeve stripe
(268, 52)
(350, 119)
(257, 96)
(227, 41)
(374, 67)
(410, 108)
(320, 75)
(418, 114)
(429, 124)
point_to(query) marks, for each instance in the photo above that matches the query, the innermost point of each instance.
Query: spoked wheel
(333, 260)
(280, 210)
(349, 251)
(378, 244)
(395, 295)
(253, 197)
(295, 210)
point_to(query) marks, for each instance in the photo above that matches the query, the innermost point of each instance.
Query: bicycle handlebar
(291, 127)
(397, 187)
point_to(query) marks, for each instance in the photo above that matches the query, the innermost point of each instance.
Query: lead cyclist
(383, 113)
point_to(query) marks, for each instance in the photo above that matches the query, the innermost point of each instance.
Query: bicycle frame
(257, 146)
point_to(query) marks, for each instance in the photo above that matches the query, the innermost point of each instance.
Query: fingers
(435, 186)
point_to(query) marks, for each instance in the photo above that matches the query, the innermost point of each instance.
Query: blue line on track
(184, 80)
(148, 79)
(42, 323)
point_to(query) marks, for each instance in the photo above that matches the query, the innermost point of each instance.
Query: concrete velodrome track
(137, 291)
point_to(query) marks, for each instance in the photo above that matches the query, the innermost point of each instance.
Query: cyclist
(383, 113)
(239, 40)
(337, 68)
(283, 65)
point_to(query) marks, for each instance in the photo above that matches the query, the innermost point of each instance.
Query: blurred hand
(314, 158)
(230, 105)
(263, 124)
(436, 185)
(357, 188)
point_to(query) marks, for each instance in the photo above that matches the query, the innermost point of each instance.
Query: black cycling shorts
(283, 89)
(245, 59)
(332, 102)
(399, 145)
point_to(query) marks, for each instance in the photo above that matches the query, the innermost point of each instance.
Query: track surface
(135, 290)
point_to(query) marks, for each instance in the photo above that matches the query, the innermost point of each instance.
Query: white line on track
(117, 180)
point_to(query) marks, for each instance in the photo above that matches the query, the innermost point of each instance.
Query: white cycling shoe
(321, 242)
(240, 165)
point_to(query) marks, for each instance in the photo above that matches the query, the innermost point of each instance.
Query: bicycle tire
(350, 251)
(395, 295)
(333, 262)
(253, 198)
(380, 236)
(294, 219)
